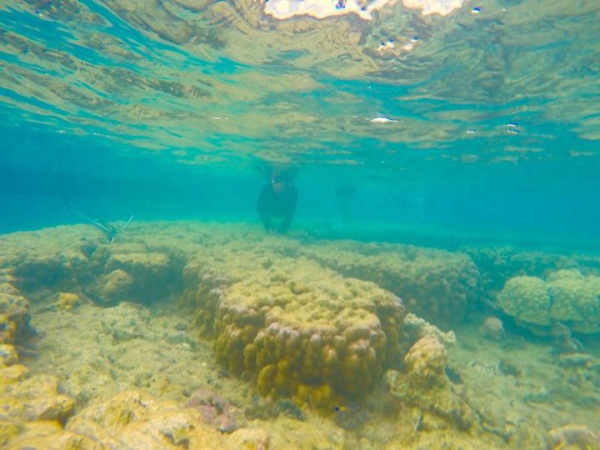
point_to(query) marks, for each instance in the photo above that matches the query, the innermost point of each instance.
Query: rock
(114, 287)
(67, 301)
(424, 386)
(34, 398)
(216, 411)
(492, 328)
(8, 355)
(133, 417)
(14, 314)
(45, 434)
(246, 438)
(573, 437)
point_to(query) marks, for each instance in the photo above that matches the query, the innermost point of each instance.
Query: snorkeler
(277, 200)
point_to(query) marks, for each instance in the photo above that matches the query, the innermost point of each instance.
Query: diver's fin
(80, 212)
(104, 226)
(112, 234)
(126, 224)
(109, 230)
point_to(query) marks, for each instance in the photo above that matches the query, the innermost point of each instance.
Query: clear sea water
(166, 110)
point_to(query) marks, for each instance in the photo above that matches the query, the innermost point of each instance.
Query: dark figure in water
(345, 195)
(277, 202)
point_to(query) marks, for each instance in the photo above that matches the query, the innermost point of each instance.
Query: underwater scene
(300, 224)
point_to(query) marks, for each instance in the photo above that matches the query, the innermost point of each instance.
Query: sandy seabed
(122, 350)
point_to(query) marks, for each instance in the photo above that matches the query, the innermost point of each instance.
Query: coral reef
(294, 328)
(498, 264)
(68, 301)
(65, 260)
(434, 284)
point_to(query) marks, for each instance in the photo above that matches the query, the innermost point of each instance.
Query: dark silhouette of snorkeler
(345, 195)
(277, 201)
(109, 230)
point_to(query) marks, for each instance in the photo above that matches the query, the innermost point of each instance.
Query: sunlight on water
(191, 77)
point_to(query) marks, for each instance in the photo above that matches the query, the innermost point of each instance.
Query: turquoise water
(452, 302)
(166, 109)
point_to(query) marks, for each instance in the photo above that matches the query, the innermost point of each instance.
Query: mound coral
(566, 298)
(300, 330)
(527, 299)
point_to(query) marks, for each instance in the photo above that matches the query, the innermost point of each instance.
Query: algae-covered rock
(526, 299)
(9, 430)
(154, 274)
(14, 313)
(45, 434)
(216, 411)
(133, 417)
(12, 374)
(49, 261)
(8, 329)
(245, 438)
(67, 301)
(28, 398)
(35, 398)
(425, 386)
(573, 437)
(113, 287)
(8, 355)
